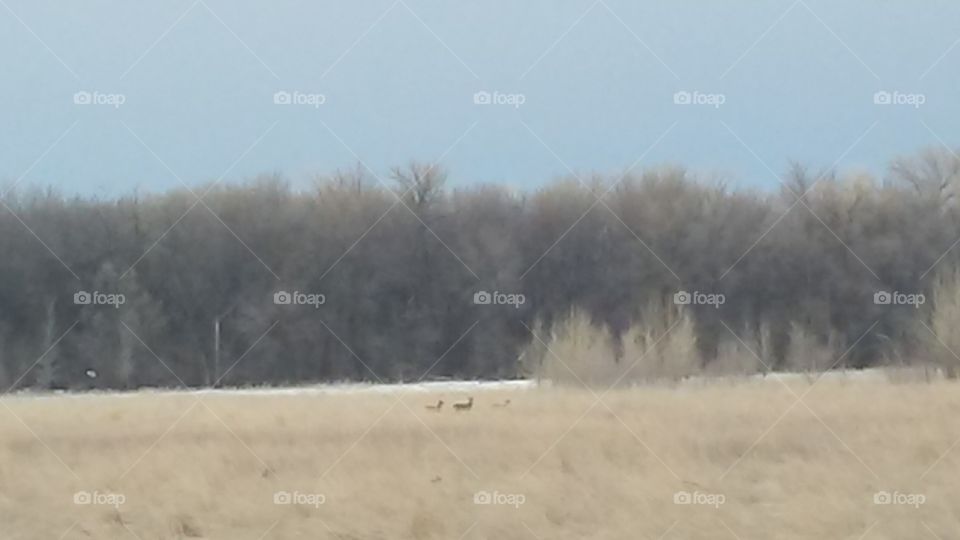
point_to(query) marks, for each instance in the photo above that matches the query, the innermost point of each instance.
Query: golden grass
(390, 470)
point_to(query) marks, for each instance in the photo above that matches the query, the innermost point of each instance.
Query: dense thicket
(399, 265)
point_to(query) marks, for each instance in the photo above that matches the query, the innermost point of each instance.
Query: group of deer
(463, 405)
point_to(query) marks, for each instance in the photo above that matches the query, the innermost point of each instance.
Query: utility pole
(216, 342)
(216, 351)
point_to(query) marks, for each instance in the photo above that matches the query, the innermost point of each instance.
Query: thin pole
(216, 351)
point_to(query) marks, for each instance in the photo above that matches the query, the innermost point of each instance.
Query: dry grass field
(553, 464)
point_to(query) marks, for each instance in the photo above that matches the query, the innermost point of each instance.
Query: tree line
(405, 278)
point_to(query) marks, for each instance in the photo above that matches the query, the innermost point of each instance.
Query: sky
(102, 97)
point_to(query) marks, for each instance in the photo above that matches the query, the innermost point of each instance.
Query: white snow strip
(451, 387)
(323, 389)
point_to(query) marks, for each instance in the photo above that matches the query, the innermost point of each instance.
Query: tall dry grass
(393, 470)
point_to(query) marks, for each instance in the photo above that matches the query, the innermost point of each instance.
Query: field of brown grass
(719, 460)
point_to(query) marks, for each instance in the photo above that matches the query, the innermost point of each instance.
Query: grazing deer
(505, 403)
(436, 407)
(464, 406)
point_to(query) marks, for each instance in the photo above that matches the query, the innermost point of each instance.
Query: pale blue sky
(598, 78)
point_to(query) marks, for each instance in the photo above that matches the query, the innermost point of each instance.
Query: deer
(504, 403)
(436, 407)
(464, 406)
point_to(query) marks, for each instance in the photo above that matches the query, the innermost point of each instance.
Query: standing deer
(464, 406)
(436, 407)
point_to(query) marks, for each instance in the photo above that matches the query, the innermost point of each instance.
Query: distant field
(751, 460)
